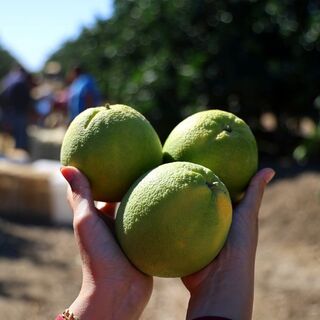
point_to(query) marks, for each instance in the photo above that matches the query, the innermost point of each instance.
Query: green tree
(171, 58)
(6, 61)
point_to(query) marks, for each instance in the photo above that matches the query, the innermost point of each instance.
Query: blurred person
(83, 91)
(16, 101)
(43, 101)
(112, 288)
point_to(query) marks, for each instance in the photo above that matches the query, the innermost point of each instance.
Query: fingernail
(67, 174)
(270, 175)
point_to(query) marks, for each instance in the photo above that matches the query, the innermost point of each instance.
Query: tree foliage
(171, 58)
(6, 62)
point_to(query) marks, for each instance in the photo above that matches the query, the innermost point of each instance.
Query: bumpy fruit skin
(220, 141)
(112, 145)
(174, 220)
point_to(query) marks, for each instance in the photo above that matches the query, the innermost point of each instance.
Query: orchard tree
(172, 58)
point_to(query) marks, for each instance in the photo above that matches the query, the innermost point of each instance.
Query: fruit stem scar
(213, 185)
(227, 128)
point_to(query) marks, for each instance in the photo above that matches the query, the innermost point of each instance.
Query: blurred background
(167, 59)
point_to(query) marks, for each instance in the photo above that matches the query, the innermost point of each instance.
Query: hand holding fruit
(110, 285)
(225, 287)
(173, 218)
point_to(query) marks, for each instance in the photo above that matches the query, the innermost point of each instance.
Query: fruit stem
(107, 105)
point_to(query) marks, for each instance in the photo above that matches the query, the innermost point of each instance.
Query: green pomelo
(174, 220)
(220, 141)
(112, 145)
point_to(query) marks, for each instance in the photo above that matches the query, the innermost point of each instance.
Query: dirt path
(40, 270)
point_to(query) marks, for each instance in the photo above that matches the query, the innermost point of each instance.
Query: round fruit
(220, 141)
(112, 145)
(174, 220)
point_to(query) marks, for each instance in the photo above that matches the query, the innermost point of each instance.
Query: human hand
(112, 288)
(225, 287)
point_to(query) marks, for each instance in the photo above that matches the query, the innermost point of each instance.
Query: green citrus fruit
(174, 220)
(220, 141)
(112, 145)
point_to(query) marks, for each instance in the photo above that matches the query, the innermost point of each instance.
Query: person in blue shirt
(83, 92)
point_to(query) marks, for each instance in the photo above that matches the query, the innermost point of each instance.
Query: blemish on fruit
(90, 118)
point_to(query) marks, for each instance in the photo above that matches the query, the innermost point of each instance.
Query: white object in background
(60, 209)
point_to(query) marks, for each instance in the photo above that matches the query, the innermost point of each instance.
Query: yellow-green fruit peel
(174, 220)
(220, 141)
(112, 145)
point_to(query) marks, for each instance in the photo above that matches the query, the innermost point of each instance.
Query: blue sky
(32, 29)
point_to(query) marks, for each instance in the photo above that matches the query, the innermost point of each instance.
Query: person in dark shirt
(15, 97)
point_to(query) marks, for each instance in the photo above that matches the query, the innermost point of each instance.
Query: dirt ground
(40, 269)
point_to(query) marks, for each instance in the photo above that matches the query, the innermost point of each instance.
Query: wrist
(104, 304)
(227, 293)
(87, 305)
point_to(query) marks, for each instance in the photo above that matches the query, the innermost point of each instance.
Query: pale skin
(112, 288)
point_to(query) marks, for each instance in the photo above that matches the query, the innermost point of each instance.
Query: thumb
(80, 197)
(253, 197)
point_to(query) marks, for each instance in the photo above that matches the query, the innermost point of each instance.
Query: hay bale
(25, 193)
(45, 143)
(34, 192)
